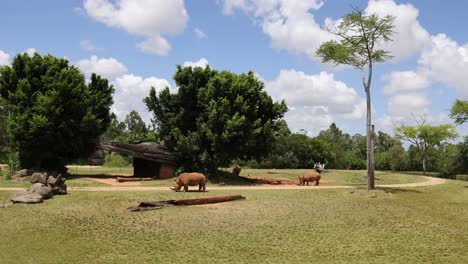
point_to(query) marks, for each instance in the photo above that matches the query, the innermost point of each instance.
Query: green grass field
(414, 225)
(80, 177)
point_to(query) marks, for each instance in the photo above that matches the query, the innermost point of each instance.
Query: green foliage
(447, 160)
(13, 164)
(133, 130)
(116, 161)
(358, 35)
(294, 151)
(459, 111)
(3, 131)
(462, 158)
(338, 142)
(215, 117)
(425, 137)
(54, 116)
(115, 129)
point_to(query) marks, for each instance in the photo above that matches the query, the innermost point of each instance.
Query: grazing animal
(311, 176)
(236, 170)
(190, 179)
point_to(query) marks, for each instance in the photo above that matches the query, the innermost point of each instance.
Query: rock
(38, 177)
(43, 190)
(22, 173)
(26, 197)
(58, 184)
(373, 196)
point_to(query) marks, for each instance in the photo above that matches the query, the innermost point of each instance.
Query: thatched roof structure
(150, 151)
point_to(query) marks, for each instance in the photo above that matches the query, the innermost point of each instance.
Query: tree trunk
(424, 160)
(370, 150)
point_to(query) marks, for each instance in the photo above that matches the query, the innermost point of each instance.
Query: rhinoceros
(190, 179)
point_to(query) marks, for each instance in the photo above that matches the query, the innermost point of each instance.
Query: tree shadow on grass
(96, 176)
(397, 190)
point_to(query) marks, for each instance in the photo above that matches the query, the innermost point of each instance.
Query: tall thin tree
(359, 36)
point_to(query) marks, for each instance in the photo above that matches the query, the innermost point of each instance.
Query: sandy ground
(124, 187)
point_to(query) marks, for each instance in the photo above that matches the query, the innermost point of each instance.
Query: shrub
(116, 161)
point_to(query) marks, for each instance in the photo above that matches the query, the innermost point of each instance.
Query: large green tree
(358, 38)
(3, 130)
(425, 137)
(339, 143)
(54, 116)
(459, 111)
(215, 117)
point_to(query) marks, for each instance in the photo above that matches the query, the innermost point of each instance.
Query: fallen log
(269, 180)
(128, 179)
(144, 206)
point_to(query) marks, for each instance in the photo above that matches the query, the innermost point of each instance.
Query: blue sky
(136, 45)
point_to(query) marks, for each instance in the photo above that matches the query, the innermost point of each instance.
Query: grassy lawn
(337, 177)
(425, 224)
(80, 177)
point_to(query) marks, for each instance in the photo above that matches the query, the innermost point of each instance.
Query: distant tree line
(132, 130)
(342, 151)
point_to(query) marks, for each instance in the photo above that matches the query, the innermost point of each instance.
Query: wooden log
(144, 206)
(207, 200)
(128, 179)
(269, 180)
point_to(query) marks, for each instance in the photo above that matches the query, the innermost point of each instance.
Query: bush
(117, 161)
(461, 177)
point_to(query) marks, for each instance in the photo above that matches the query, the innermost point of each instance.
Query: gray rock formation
(38, 177)
(41, 189)
(26, 197)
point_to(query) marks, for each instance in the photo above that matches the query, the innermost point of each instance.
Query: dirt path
(430, 181)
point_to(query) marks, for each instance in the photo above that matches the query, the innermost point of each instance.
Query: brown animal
(307, 177)
(190, 179)
(236, 170)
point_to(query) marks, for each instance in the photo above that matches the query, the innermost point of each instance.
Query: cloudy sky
(136, 45)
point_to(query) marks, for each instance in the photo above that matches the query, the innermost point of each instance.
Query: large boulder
(26, 197)
(38, 177)
(41, 189)
(57, 184)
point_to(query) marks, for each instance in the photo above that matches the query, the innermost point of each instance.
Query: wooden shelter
(150, 159)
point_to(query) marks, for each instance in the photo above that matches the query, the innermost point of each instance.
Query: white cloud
(407, 104)
(199, 33)
(200, 63)
(447, 62)
(130, 91)
(298, 88)
(146, 18)
(4, 58)
(30, 51)
(87, 45)
(312, 119)
(410, 37)
(106, 67)
(230, 5)
(405, 81)
(288, 23)
(155, 45)
(291, 25)
(315, 101)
